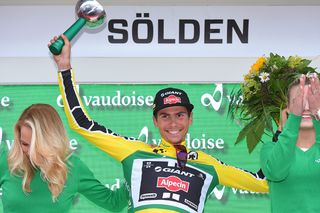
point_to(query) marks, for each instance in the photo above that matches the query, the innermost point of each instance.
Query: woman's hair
(48, 151)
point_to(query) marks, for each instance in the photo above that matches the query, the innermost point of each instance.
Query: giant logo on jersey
(173, 184)
(162, 182)
(173, 171)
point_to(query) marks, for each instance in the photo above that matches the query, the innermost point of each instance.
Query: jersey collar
(167, 145)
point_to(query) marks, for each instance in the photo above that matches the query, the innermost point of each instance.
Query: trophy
(90, 13)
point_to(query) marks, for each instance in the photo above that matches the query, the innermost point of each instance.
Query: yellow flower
(247, 77)
(294, 61)
(257, 66)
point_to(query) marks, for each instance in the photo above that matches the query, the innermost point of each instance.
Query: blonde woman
(40, 174)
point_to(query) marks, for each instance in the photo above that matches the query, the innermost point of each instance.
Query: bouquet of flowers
(264, 95)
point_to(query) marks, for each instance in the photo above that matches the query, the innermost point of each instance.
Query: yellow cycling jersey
(155, 181)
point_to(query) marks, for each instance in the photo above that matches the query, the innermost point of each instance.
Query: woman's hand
(314, 95)
(297, 96)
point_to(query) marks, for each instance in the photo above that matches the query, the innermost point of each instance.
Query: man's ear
(155, 122)
(191, 118)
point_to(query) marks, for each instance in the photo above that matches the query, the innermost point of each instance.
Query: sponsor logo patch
(171, 99)
(173, 184)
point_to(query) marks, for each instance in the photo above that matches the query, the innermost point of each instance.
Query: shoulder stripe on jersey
(75, 109)
(74, 106)
(259, 175)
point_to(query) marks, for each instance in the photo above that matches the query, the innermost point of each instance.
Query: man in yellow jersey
(167, 178)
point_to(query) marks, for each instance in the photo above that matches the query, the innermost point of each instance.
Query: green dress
(80, 180)
(293, 175)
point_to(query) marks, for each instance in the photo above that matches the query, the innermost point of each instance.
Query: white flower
(264, 77)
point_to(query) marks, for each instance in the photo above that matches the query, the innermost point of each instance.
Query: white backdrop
(24, 57)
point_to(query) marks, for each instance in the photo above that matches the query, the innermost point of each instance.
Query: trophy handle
(56, 47)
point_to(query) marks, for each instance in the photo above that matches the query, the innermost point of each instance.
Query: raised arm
(276, 158)
(105, 139)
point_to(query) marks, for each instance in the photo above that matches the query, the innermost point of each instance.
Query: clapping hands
(305, 97)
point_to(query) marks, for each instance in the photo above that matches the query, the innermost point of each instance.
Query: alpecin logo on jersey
(171, 99)
(173, 184)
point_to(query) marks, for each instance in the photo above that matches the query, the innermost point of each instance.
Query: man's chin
(175, 142)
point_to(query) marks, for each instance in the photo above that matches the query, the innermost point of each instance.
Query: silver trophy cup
(90, 13)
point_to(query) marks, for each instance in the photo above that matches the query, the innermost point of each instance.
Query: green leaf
(233, 108)
(254, 135)
(244, 132)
